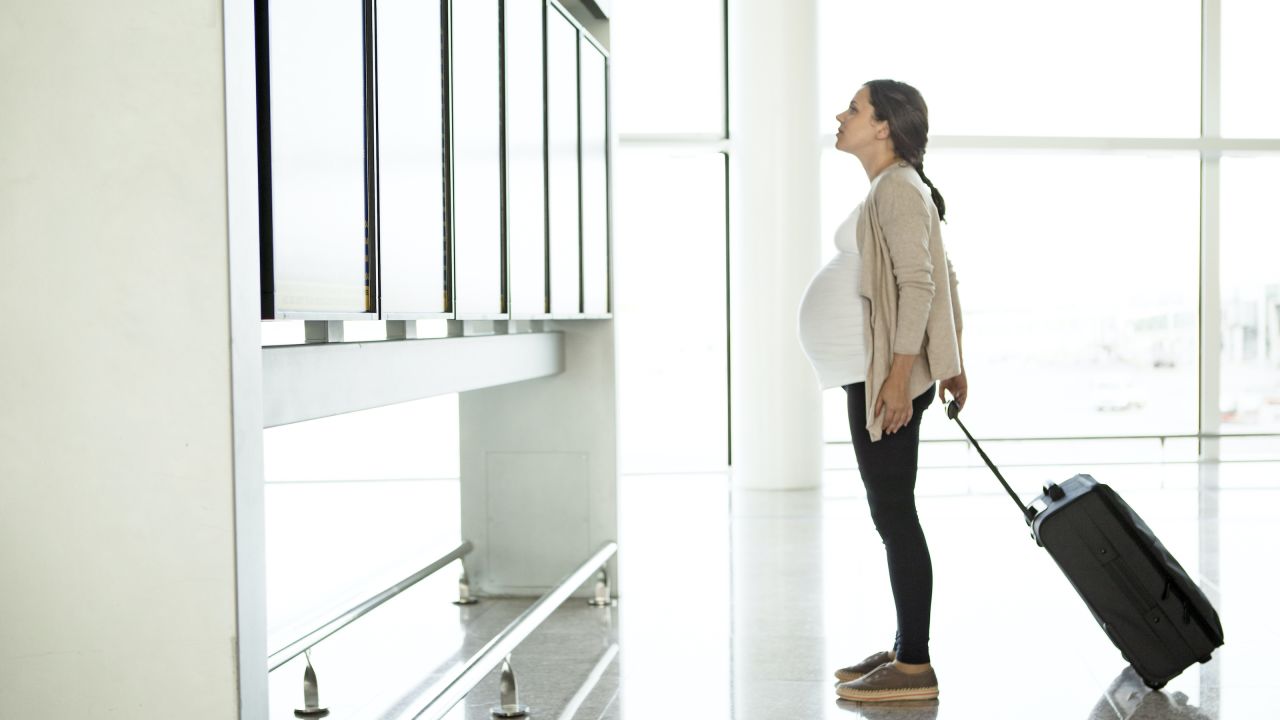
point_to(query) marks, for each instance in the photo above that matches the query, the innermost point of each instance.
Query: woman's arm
(904, 219)
(895, 395)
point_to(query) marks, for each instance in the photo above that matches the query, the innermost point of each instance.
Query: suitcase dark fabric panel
(1143, 599)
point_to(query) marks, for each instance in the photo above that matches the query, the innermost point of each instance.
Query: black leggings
(888, 469)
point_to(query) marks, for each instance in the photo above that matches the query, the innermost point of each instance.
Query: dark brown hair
(903, 108)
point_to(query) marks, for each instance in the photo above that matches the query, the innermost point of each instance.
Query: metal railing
(306, 642)
(437, 700)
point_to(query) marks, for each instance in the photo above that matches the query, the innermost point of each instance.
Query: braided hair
(903, 108)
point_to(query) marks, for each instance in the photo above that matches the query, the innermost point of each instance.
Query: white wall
(117, 531)
(539, 469)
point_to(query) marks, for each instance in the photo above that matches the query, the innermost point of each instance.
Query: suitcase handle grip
(953, 413)
(953, 410)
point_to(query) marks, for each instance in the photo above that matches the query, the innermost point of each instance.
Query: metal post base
(310, 694)
(602, 596)
(464, 591)
(508, 695)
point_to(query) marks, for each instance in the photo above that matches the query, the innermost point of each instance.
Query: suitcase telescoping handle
(953, 413)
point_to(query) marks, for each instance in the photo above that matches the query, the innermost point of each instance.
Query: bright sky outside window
(669, 270)
(1008, 67)
(1250, 56)
(1250, 260)
(668, 66)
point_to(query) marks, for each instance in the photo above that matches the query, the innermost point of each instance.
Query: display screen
(318, 190)
(411, 237)
(476, 160)
(526, 157)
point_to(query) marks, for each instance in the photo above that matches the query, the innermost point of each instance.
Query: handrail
(442, 696)
(301, 645)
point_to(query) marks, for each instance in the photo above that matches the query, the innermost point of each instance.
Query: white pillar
(775, 248)
(119, 429)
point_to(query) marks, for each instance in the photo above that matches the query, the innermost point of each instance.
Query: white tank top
(830, 318)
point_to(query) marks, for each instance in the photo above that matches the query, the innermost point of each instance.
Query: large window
(672, 334)
(1085, 180)
(1250, 260)
(670, 261)
(1078, 277)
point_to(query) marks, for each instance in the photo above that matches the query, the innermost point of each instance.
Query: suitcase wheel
(1154, 685)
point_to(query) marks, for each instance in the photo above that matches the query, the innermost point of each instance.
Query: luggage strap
(953, 412)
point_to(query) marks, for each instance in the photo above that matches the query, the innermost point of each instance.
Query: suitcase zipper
(1186, 607)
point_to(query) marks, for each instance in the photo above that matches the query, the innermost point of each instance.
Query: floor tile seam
(617, 692)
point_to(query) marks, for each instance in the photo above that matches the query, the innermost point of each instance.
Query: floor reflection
(739, 606)
(911, 710)
(808, 592)
(1128, 698)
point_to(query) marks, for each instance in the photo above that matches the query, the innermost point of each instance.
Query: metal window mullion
(1210, 340)
(1210, 238)
(681, 140)
(725, 148)
(1146, 145)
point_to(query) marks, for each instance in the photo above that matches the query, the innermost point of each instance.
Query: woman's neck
(875, 166)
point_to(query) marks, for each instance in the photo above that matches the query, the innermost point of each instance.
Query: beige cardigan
(911, 286)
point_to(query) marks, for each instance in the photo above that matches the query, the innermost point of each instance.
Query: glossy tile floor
(740, 605)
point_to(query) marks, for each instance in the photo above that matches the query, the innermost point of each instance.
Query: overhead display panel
(411, 229)
(562, 159)
(315, 239)
(595, 179)
(476, 159)
(526, 157)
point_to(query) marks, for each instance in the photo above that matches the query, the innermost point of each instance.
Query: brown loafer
(887, 683)
(853, 672)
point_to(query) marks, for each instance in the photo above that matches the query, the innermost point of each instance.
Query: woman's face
(859, 130)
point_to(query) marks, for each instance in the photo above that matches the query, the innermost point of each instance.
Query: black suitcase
(1143, 599)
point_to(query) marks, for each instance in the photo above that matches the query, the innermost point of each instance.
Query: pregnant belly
(830, 316)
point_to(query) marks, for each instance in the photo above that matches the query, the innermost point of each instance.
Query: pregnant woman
(882, 320)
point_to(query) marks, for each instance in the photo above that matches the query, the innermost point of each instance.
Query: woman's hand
(895, 400)
(958, 386)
